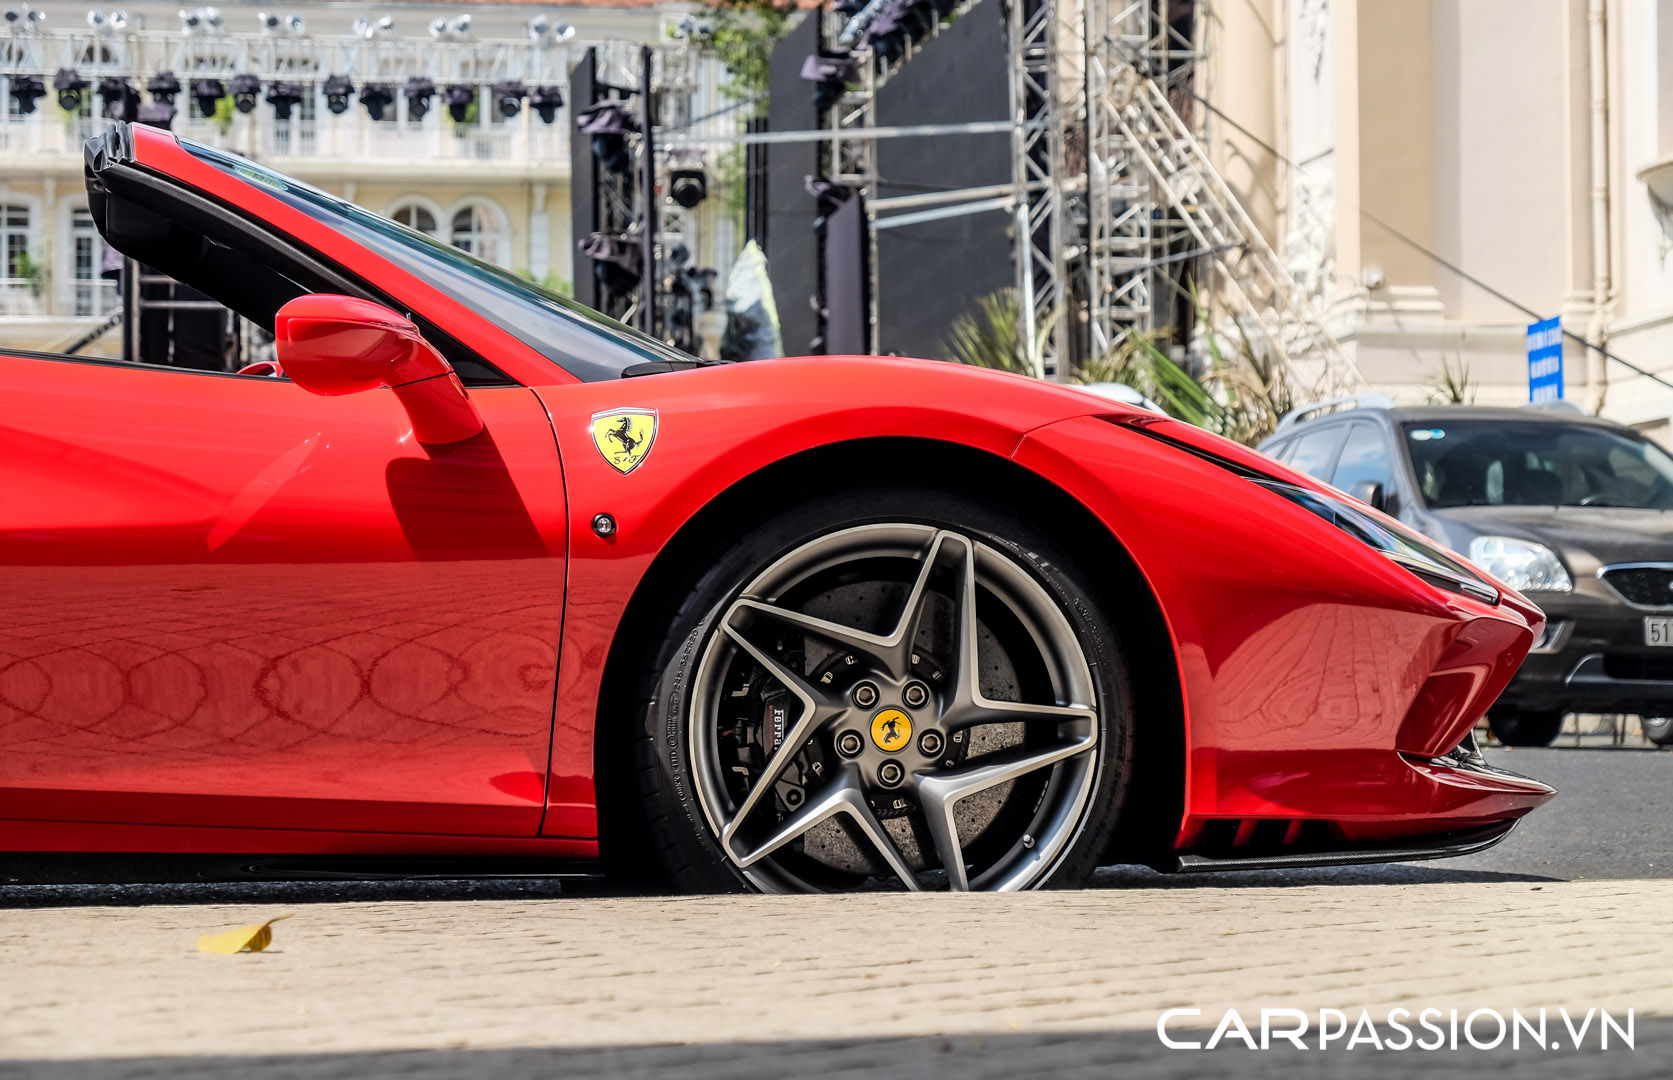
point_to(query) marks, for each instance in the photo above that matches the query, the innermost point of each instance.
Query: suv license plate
(1658, 630)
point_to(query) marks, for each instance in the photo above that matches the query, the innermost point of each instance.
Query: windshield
(1537, 463)
(590, 346)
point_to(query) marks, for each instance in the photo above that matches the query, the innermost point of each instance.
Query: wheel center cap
(891, 730)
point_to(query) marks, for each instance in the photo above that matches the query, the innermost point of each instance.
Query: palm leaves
(1240, 391)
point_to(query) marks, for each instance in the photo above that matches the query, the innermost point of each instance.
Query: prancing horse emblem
(624, 436)
(891, 729)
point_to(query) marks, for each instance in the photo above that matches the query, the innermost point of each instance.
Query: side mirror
(333, 345)
(1371, 494)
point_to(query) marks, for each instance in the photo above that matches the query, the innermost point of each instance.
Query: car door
(228, 602)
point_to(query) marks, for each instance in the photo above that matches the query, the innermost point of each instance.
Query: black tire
(1525, 728)
(672, 820)
(1658, 729)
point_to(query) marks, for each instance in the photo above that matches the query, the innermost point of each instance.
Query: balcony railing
(20, 296)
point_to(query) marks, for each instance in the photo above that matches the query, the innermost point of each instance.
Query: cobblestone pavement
(1065, 983)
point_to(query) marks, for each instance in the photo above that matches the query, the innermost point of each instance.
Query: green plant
(1240, 392)
(742, 33)
(30, 270)
(1451, 385)
(995, 336)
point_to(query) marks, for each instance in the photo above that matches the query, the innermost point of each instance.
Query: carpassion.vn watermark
(1401, 1029)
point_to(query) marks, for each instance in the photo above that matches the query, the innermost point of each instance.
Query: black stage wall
(791, 248)
(929, 274)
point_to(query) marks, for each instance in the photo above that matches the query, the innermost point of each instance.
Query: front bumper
(1596, 659)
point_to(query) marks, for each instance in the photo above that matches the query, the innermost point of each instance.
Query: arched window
(415, 215)
(477, 230)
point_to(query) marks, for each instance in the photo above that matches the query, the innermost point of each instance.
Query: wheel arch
(1158, 708)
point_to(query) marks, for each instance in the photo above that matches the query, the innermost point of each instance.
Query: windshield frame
(588, 345)
(1656, 458)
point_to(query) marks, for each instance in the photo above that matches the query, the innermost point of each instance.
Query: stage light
(118, 21)
(212, 19)
(338, 90)
(121, 100)
(830, 76)
(459, 99)
(538, 27)
(163, 86)
(283, 96)
(377, 97)
(609, 123)
(21, 20)
(616, 262)
(70, 86)
(562, 32)
(438, 28)
(270, 22)
(190, 21)
(688, 187)
(461, 26)
(26, 90)
(294, 25)
(208, 94)
(418, 93)
(508, 97)
(546, 101)
(244, 90)
(158, 114)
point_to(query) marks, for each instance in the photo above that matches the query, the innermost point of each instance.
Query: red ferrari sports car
(485, 573)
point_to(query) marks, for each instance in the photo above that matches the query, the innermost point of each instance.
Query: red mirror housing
(333, 345)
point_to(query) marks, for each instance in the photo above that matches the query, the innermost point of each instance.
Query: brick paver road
(1065, 983)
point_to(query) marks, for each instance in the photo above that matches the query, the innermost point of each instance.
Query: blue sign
(1545, 360)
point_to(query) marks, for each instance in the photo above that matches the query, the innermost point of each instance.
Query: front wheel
(886, 689)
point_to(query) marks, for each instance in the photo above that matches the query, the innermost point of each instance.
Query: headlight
(1521, 564)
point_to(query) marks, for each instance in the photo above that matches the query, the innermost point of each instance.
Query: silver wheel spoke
(939, 793)
(986, 711)
(842, 796)
(894, 649)
(816, 708)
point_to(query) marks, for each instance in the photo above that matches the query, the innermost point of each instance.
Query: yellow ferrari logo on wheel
(624, 436)
(891, 729)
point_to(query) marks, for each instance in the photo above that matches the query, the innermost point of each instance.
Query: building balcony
(316, 143)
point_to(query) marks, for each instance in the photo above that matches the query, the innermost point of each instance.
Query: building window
(476, 231)
(415, 216)
(17, 288)
(94, 293)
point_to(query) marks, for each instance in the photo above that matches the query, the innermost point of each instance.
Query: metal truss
(1037, 188)
(1160, 218)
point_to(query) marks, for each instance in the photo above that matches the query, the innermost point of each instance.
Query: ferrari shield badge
(624, 436)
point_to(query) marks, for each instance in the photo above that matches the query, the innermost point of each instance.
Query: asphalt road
(1612, 819)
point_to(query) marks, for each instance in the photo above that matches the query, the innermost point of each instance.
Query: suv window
(1314, 452)
(1364, 458)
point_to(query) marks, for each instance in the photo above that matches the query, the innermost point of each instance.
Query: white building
(494, 185)
(1524, 144)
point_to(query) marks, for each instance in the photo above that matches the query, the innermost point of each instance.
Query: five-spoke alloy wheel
(906, 703)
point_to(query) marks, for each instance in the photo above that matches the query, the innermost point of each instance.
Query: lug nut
(849, 743)
(929, 743)
(915, 694)
(890, 773)
(865, 695)
(793, 798)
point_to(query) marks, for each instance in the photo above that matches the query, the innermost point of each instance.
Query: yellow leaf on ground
(244, 939)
